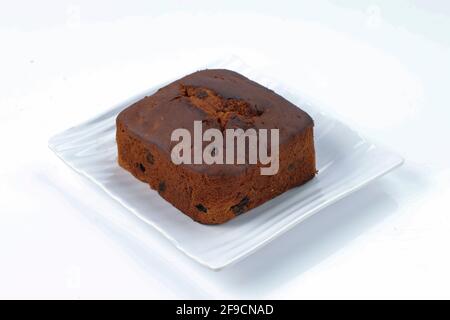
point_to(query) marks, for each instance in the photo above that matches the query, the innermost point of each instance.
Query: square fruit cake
(219, 99)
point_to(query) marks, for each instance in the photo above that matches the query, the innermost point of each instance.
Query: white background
(381, 66)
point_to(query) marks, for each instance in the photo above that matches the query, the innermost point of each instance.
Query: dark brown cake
(221, 99)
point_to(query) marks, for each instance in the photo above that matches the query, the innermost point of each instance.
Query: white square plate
(345, 161)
